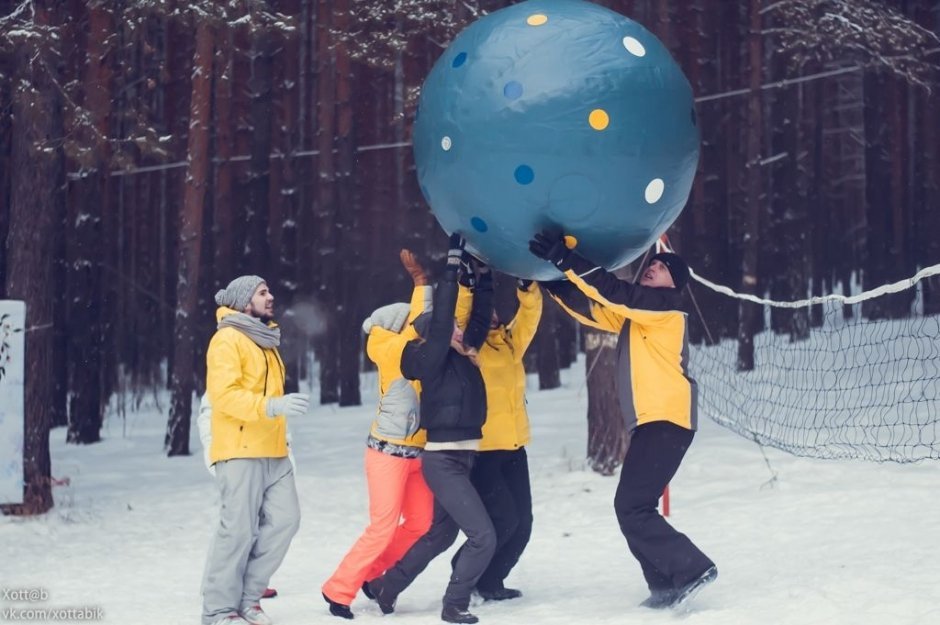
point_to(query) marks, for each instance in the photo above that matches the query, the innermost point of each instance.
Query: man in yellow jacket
(657, 398)
(260, 512)
(501, 471)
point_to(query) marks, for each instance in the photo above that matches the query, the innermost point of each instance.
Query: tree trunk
(326, 235)
(877, 197)
(546, 345)
(350, 235)
(223, 210)
(607, 435)
(182, 382)
(36, 155)
(257, 248)
(285, 197)
(92, 195)
(751, 237)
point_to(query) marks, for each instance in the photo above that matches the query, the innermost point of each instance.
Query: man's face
(261, 305)
(657, 276)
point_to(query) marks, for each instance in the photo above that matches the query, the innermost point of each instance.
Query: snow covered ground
(799, 542)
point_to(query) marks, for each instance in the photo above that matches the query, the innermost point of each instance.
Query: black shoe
(453, 614)
(338, 609)
(374, 590)
(499, 594)
(687, 592)
(659, 599)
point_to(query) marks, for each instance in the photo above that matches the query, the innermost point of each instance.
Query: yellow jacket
(653, 382)
(397, 412)
(507, 422)
(240, 376)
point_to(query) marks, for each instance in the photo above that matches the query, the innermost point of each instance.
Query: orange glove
(413, 267)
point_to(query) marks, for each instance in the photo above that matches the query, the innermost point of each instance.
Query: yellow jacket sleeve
(523, 326)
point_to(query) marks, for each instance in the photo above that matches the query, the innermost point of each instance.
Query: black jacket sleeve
(424, 357)
(480, 313)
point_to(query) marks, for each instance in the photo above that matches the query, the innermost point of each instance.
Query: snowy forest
(151, 150)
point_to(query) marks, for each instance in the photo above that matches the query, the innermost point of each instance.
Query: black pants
(456, 506)
(501, 477)
(668, 558)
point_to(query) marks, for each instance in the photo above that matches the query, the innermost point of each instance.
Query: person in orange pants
(400, 503)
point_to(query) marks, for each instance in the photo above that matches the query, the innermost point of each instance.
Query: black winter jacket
(453, 398)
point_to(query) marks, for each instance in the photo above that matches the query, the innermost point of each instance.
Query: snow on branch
(867, 32)
(381, 31)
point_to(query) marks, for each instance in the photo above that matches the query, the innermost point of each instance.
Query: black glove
(523, 285)
(455, 251)
(550, 247)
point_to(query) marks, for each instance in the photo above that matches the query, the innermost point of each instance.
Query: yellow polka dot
(570, 242)
(598, 119)
(536, 19)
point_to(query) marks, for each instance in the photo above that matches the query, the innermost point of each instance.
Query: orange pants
(396, 490)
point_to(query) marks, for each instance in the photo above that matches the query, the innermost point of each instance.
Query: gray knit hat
(237, 295)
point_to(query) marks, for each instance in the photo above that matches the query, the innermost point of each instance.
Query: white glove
(290, 405)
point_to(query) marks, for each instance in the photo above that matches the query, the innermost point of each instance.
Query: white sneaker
(230, 619)
(255, 615)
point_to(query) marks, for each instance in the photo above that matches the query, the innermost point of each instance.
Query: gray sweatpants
(456, 505)
(259, 517)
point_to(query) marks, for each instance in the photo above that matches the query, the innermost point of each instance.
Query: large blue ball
(561, 115)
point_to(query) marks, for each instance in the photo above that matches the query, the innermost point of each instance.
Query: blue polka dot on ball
(524, 174)
(570, 117)
(512, 90)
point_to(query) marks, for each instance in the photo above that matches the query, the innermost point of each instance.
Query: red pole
(666, 501)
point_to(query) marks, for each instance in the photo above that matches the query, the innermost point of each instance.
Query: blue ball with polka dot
(559, 115)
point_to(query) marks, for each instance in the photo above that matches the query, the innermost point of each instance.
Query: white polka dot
(446, 143)
(633, 46)
(654, 190)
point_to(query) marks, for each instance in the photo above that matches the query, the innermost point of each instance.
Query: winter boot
(366, 591)
(338, 609)
(453, 614)
(499, 594)
(659, 599)
(382, 597)
(685, 594)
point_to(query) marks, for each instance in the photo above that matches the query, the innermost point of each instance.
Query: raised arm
(481, 312)
(601, 286)
(423, 358)
(523, 326)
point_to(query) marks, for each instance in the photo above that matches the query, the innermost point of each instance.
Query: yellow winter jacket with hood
(653, 381)
(397, 416)
(507, 422)
(240, 376)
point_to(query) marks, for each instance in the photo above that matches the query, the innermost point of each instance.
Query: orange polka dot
(536, 19)
(599, 119)
(570, 242)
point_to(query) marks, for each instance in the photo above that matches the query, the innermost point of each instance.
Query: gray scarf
(262, 335)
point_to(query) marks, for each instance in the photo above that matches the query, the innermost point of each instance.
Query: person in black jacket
(453, 410)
